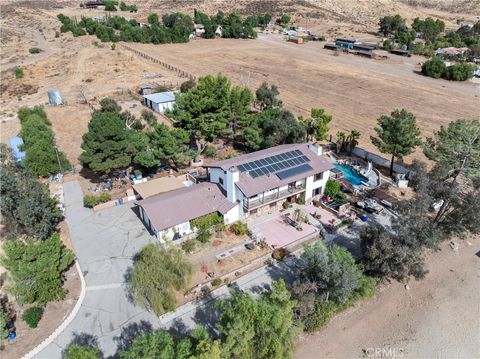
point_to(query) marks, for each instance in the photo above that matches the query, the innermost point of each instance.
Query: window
(253, 211)
(220, 179)
(318, 176)
(272, 205)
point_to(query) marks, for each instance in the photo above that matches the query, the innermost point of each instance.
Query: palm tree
(353, 139)
(341, 138)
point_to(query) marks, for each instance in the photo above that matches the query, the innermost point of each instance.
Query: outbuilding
(160, 102)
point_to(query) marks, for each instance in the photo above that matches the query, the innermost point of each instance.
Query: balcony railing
(260, 200)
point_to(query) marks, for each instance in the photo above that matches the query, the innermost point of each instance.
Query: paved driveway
(105, 242)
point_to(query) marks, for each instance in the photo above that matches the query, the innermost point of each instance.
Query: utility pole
(58, 159)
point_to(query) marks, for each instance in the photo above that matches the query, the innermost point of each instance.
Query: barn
(160, 102)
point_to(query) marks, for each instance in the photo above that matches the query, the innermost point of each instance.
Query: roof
(452, 50)
(156, 186)
(169, 209)
(15, 143)
(161, 97)
(251, 186)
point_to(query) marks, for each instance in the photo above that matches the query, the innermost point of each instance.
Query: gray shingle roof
(169, 209)
(252, 186)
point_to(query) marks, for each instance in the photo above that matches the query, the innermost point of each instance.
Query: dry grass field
(355, 90)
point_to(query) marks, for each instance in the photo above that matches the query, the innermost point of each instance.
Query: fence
(178, 71)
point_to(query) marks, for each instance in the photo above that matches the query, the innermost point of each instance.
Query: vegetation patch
(91, 201)
(32, 316)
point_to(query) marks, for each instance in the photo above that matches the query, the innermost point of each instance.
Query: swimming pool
(350, 174)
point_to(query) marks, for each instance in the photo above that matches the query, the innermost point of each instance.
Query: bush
(366, 288)
(187, 85)
(239, 228)
(387, 45)
(149, 117)
(435, 67)
(321, 315)
(34, 50)
(91, 201)
(216, 282)
(279, 254)
(32, 316)
(189, 246)
(285, 204)
(210, 151)
(301, 200)
(461, 71)
(332, 188)
(19, 73)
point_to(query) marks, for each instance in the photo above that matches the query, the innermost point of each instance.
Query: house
(160, 102)
(451, 51)
(400, 52)
(96, 4)
(239, 188)
(15, 144)
(345, 43)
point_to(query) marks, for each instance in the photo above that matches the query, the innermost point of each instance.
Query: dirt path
(438, 317)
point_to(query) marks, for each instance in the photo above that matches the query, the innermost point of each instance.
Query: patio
(326, 217)
(277, 233)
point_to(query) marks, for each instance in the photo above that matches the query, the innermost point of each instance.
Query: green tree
(106, 146)
(77, 351)
(456, 151)
(260, 328)
(390, 25)
(170, 144)
(406, 37)
(37, 269)
(385, 255)
(156, 273)
(460, 71)
(284, 20)
(398, 135)
(334, 271)
(266, 97)
(435, 67)
(316, 125)
(352, 140)
(25, 203)
(278, 127)
(429, 28)
(4, 319)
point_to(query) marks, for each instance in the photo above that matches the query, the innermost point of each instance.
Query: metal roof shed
(160, 102)
(15, 143)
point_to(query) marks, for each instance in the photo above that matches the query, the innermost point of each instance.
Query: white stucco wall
(169, 233)
(216, 174)
(233, 215)
(312, 185)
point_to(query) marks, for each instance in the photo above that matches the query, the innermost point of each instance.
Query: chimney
(315, 148)
(232, 178)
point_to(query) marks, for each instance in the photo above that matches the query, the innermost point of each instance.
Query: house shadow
(206, 315)
(136, 210)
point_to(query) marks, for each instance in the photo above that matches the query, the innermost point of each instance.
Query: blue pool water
(350, 174)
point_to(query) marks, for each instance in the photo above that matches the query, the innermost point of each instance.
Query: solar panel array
(277, 164)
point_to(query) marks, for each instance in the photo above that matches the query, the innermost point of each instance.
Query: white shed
(160, 102)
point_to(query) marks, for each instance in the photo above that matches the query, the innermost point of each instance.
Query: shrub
(216, 282)
(301, 200)
(332, 188)
(113, 46)
(210, 151)
(285, 204)
(34, 50)
(240, 228)
(91, 201)
(321, 315)
(366, 288)
(340, 198)
(279, 254)
(189, 246)
(149, 117)
(187, 85)
(19, 73)
(32, 316)
(387, 45)
(461, 71)
(204, 235)
(435, 67)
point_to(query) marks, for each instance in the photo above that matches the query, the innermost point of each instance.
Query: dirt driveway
(438, 317)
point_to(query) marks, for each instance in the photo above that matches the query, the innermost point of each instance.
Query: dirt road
(438, 317)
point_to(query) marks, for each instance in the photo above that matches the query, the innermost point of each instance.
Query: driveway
(105, 242)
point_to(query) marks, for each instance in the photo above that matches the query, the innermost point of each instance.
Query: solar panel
(269, 160)
(270, 169)
(305, 158)
(263, 162)
(294, 171)
(257, 164)
(276, 167)
(242, 168)
(254, 174)
(281, 165)
(297, 152)
(290, 163)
